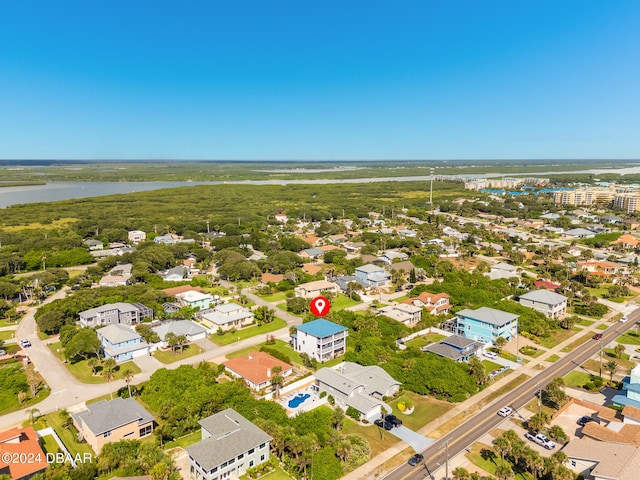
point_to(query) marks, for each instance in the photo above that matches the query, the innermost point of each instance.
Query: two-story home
(313, 289)
(403, 313)
(114, 313)
(320, 339)
(230, 445)
(373, 276)
(552, 304)
(110, 421)
(121, 343)
(94, 244)
(435, 303)
(353, 385)
(194, 299)
(256, 369)
(455, 347)
(227, 316)
(486, 324)
(136, 236)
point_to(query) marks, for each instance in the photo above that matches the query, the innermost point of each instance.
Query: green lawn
(490, 366)
(68, 436)
(229, 338)
(425, 340)
(576, 378)
(489, 464)
(553, 358)
(531, 351)
(166, 356)
(426, 409)
(586, 323)
(558, 336)
(83, 372)
(576, 343)
(603, 326)
(629, 338)
(185, 441)
(371, 434)
(276, 297)
(14, 372)
(280, 346)
(341, 302)
(8, 323)
(49, 445)
(75, 273)
(277, 474)
(7, 334)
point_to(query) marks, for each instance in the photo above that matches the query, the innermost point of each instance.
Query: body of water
(54, 191)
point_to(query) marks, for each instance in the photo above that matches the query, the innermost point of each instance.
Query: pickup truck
(541, 440)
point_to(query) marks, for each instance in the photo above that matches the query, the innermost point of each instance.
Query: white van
(490, 355)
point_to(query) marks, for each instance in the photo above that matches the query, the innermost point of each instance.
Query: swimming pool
(296, 401)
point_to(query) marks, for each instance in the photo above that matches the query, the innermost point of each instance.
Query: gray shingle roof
(117, 333)
(103, 416)
(489, 315)
(338, 381)
(444, 351)
(544, 296)
(369, 268)
(458, 341)
(231, 435)
(374, 378)
(122, 307)
(179, 327)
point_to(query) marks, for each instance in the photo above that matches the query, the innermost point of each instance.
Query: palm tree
(109, 372)
(502, 447)
(277, 379)
(504, 472)
(461, 474)
(181, 341)
(34, 413)
(92, 363)
(337, 418)
(128, 376)
(538, 421)
(343, 449)
(65, 417)
(557, 433)
(612, 366)
(619, 350)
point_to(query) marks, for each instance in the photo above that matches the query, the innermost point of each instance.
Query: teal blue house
(486, 324)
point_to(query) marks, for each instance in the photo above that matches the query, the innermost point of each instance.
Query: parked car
(25, 343)
(624, 319)
(393, 420)
(541, 440)
(597, 336)
(382, 424)
(416, 459)
(505, 411)
(490, 355)
(584, 420)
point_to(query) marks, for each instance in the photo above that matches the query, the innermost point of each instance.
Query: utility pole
(601, 347)
(446, 463)
(207, 225)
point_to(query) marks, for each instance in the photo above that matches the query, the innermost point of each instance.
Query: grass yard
(49, 444)
(603, 326)
(74, 273)
(576, 343)
(68, 436)
(558, 336)
(8, 323)
(280, 346)
(83, 372)
(166, 356)
(276, 297)
(425, 340)
(229, 338)
(277, 474)
(13, 373)
(489, 366)
(7, 334)
(553, 358)
(629, 338)
(480, 459)
(586, 323)
(371, 434)
(426, 409)
(341, 302)
(576, 378)
(184, 441)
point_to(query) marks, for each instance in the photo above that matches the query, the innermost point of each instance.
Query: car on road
(416, 459)
(541, 440)
(584, 420)
(393, 420)
(382, 424)
(25, 343)
(624, 319)
(505, 411)
(597, 336)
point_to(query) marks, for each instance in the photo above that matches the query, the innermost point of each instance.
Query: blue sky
(288, 80)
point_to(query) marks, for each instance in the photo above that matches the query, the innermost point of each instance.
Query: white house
(137, 236)
(228, 316)
(372, 275)
(552, 304)
(313, 289)
(320, 339)
(195, 299)
(403, 313)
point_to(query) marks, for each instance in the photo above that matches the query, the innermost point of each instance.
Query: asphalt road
(473, 429)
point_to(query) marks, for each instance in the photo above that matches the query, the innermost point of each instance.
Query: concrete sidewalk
(374, 469)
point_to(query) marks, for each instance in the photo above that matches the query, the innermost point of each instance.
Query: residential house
(117, 276)
(603, 268)
(313, 289)
(626, 241)
(337, 239)
(503, 270)
(227, 316)
(407, 233)
(21, 456)
(165, 239)
(176, 274)
(552, 304)
(173, 291)
(136, 236)
(402, 267)
(630, 390)
(230, 445)
(256, 369)
(281, 217)
(94, 244)
(191, 330)
(435, 303)
(113, 313)
(596, 460)
(271, 277)
(195, 299)
(362, 388)
(455, 347)
(346, 282)
(121, 343)
(373, 276)
(312, 253)
(111, 421)
(546, 285)
(320, 339)
(311, 269)
(403, 313)
(391, 256)
(580, 233)
(486, 324)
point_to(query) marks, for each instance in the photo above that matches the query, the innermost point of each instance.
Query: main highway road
(435, 456)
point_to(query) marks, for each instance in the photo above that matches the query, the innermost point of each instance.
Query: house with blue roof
(486, 324)
(630, 390)
(320, 339)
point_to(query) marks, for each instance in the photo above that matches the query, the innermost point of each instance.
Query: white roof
(544, 296)
(194, 296)
(489, 315)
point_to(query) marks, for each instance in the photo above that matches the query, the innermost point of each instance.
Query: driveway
(415, 440)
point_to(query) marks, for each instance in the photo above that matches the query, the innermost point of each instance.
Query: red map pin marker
(320, 306)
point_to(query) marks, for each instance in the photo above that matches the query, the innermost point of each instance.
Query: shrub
(401, 406)
(331, 400)
(323, 394)
(275, 353)
(353, 413)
